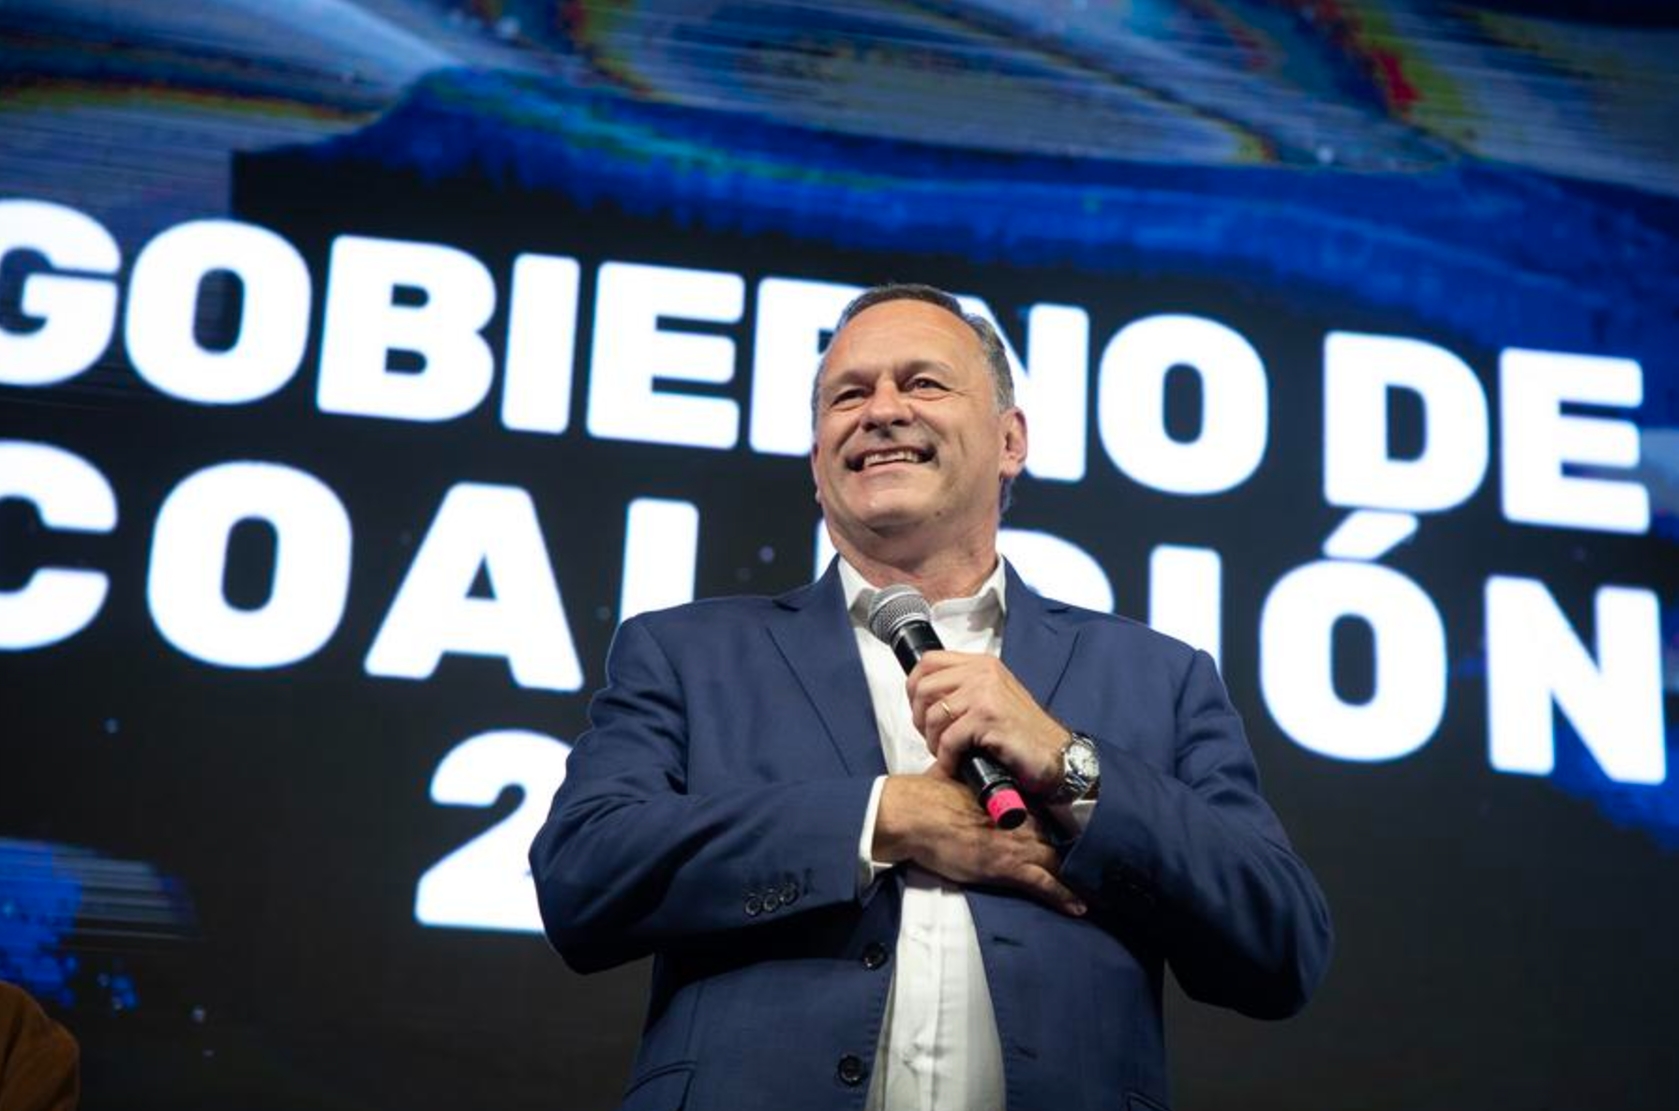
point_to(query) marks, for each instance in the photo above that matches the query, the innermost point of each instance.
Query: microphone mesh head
(893, 606)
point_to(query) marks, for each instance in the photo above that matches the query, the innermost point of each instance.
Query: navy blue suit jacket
(711, 817)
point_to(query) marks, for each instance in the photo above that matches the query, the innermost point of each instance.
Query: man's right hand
(935, 822)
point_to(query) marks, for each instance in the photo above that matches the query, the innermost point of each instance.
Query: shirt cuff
(869, 869)
(1074, 816)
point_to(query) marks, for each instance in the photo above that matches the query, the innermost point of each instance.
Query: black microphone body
(900, 616)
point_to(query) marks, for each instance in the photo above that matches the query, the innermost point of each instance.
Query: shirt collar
(992, 593)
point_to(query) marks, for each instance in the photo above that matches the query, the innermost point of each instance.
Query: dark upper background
(245, 845)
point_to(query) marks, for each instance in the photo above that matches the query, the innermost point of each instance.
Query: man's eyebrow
(846, 375)
(915, 366)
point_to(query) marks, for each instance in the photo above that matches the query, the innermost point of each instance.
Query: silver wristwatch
(1080, 770)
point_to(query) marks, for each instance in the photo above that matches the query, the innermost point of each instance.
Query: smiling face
(910, 448)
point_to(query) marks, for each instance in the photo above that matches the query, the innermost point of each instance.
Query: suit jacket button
(874, 955)
(851, 1070)
(789, 893)
(754, 905)
(771, 900)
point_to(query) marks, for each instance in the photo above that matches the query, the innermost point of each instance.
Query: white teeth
(903, 456)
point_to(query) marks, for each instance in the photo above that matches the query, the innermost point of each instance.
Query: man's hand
(962, 701)
(935, 822)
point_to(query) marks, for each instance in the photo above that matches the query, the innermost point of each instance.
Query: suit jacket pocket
(664, 1089)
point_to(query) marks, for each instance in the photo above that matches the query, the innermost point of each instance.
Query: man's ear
(815, 482)
(1014, 443)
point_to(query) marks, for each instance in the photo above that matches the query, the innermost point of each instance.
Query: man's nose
(886, 405)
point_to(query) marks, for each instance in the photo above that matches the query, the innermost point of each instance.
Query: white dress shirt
(938, 1049)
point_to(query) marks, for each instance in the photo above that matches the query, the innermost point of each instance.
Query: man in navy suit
(767, 806)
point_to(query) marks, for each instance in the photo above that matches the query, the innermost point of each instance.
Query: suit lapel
(813, 633)
(1036, 643)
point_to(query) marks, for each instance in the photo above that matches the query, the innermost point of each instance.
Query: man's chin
(896, 519)
(881, 517)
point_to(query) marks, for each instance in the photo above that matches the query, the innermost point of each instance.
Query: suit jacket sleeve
(630, 859)
(1194, 860)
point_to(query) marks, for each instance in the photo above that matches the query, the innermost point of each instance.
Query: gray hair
(990, 343)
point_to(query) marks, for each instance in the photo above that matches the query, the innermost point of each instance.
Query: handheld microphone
(901, 617)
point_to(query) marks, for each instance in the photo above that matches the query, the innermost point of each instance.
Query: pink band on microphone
(1002, 801)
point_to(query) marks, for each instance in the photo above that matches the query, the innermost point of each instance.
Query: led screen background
(360, 568)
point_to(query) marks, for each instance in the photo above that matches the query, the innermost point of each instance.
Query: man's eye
(926, 385)
(845, 399)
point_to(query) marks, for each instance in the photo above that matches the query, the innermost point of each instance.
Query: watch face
(1081, 758)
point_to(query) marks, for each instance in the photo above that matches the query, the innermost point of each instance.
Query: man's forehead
(901, 334)
(909, 316)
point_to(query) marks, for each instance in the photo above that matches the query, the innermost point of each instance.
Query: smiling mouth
(882, 456)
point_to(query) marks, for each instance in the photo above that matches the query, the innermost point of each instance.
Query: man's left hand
(963, 701)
